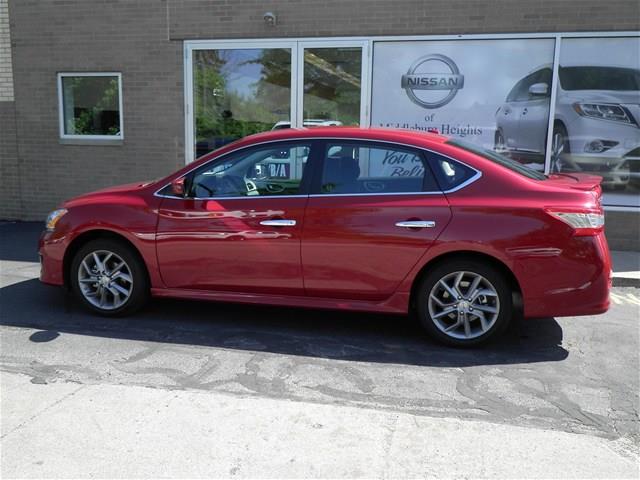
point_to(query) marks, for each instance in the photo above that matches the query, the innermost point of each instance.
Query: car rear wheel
(109, 278)
(464, 303)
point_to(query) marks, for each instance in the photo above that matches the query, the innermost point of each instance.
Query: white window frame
(89, 138)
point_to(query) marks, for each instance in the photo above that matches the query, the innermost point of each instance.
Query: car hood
(605, 96)
(106, 192)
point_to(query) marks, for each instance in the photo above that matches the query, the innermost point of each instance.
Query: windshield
(497, 158)
(599, 78)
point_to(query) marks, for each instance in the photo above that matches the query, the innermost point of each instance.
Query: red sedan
(343, 218)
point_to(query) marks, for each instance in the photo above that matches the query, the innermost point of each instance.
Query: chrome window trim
(464, 184)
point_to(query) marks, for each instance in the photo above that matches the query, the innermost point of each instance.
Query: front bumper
(51, 249)
(616, 164)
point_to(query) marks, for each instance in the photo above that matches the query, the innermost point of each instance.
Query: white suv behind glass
(596, 124)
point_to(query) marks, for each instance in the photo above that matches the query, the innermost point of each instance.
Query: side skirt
(396, 304)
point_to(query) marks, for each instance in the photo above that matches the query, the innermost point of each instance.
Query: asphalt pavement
(195, 389)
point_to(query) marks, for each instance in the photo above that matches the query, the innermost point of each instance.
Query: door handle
(524, 112)
(281, 222)
(416, 224)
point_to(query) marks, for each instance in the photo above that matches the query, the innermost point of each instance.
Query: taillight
(583, 223)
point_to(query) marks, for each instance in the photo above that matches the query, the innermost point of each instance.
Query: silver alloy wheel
(464, 305)
(105, 280)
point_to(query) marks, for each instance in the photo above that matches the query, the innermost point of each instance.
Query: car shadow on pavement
(317, 333)
(19, 241)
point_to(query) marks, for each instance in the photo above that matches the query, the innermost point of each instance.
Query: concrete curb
(626, 282)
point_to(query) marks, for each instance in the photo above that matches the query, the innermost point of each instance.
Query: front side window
(90, 105)
(352, 168)
(268, 170)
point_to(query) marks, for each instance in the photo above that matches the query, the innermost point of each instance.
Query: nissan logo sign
(433, 74)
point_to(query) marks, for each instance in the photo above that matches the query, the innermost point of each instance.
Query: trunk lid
(578, 181)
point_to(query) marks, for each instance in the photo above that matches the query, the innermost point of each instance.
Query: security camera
(269, 19)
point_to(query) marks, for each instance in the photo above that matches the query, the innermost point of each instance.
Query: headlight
(604, 111)
(53, 218)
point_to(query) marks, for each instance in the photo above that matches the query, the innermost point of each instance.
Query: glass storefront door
(241, 88)
(238, 92)
(332, 85)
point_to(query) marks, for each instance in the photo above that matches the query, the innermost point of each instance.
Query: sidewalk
(626, 268)
(66, 430)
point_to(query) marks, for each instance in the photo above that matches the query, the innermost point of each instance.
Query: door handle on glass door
(280, 222)
(416, 224)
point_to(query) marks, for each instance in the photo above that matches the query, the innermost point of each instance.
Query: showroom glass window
(494, 93)
(332, 83)
(596, 125)
(90, 105)
(238, 92)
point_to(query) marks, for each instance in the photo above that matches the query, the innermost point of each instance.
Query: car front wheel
(109, 278)
(464, 303)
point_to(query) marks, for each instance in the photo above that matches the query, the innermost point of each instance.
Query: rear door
(374, 210)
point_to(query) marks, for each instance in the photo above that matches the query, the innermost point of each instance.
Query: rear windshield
(599, 78)
(497, 158)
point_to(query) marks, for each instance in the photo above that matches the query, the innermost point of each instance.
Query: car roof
(381, 134)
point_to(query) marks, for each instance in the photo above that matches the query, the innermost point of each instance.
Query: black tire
(498, 143)
(489, 273)
(138, 290)
(559, 129)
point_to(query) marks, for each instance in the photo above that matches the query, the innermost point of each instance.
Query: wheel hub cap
(464, 305)
(105, 280)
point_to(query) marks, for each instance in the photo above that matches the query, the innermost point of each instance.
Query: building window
(90, 106)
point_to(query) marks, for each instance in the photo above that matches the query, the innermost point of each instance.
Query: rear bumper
(576, 281)
(51, 248)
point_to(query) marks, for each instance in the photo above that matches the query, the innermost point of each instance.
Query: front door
(375, 211)
(239, 226)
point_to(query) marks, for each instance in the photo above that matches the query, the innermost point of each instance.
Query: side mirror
(539, 89)
(178, 188)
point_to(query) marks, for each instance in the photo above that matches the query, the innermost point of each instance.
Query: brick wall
(6, 75)
(192, 19)
(142, 39)
(10, 192)
(86, 36)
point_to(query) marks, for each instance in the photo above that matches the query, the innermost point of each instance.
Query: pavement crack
(388, 444)
(44, 410)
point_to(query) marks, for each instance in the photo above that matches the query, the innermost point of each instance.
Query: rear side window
(497, 158)
(353, 167)
(450, 174)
